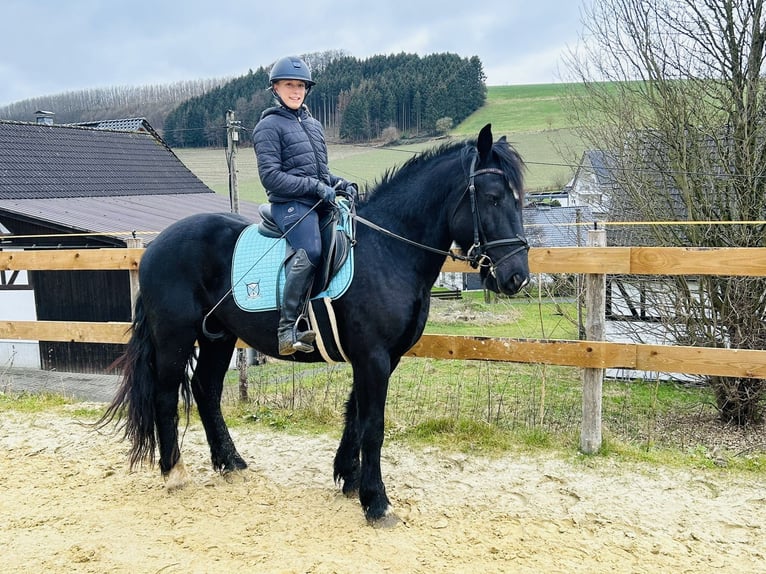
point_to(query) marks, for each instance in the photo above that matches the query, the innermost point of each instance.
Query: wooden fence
(587, 260)
(587, 354)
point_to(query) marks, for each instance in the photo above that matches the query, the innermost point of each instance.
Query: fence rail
(739, 261)
(591, 356)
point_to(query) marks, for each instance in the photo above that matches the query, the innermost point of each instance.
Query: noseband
(478, 254)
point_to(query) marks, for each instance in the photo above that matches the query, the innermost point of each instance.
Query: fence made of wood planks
(585, 354)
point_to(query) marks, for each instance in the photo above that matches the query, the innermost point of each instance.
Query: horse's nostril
(518, 281)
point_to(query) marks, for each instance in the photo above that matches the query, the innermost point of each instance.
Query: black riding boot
(297, 285)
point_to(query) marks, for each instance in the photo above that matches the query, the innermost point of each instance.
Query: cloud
(50, 47)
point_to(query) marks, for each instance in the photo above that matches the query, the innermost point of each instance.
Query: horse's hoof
(235, 476)
(387, 521)
(178, 477)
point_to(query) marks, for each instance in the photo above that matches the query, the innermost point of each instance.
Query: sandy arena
(69, 504)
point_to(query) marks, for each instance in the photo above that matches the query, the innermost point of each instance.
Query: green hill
(532, 117)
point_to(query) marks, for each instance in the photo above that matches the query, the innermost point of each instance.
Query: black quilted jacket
(292, 155)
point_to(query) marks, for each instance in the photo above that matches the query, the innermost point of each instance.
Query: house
(594, 182)
(638, 309)
(85, 186)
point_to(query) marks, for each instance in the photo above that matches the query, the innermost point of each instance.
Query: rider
(292, 165)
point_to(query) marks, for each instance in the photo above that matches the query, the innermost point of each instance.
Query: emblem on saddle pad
(254, 290)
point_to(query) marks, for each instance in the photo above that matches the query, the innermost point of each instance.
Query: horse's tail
(133, 405)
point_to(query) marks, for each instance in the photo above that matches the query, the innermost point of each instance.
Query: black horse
(468, 192)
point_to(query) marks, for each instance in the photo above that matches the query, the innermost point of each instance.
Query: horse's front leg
(346, 466)
(371, 387)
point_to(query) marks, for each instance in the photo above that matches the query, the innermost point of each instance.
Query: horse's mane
(393, 175)
(510, 161)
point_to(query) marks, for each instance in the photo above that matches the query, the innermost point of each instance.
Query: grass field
(532, 117)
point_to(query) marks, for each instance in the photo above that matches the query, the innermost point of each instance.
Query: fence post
(133, 243)
(595, 330)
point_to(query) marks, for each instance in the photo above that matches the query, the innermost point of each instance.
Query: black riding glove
(327, 193)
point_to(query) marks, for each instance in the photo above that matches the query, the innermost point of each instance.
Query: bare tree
(153, 102)
(673, 93)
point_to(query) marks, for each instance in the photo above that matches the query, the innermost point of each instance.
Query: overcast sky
(53, 46)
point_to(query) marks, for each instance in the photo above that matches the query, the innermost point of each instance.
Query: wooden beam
(566, 260)
(66, 331)
(595, 329)
(71, 259)
(589, 354)
(594, 354)
(580, 260)
(740, 261)
(749, 261)
(746, 363)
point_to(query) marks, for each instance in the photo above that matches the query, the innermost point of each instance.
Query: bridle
(478, 254)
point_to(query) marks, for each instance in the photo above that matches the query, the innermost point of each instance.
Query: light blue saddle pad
(258, 276)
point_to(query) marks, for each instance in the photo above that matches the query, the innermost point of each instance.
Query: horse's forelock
(511, 163)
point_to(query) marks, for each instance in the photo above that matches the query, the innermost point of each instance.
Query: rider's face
(291, 92)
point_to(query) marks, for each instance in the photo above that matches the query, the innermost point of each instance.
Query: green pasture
(525, 108)
(533, 118)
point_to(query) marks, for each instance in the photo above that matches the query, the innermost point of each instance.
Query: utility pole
(232, 137)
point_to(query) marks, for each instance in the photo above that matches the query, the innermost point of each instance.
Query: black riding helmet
(291, 68)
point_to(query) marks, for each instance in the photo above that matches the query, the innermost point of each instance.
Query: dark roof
(58, 161)
(112, 179)
(558, 226)
(601, 163)
(119, 217)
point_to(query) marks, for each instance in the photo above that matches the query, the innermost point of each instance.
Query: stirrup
(302, 340)
(292, 340)
(302, 347)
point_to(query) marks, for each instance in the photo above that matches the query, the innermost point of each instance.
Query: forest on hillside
(356, 100)
(386, 96)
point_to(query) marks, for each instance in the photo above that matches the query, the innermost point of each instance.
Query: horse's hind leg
(207, 386)
(346, 466)
(171, 373)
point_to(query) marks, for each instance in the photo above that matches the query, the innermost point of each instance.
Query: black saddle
(337, 240)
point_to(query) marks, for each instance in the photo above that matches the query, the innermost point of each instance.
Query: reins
(385, 231)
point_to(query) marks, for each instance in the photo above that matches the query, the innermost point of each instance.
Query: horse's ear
(484, 144)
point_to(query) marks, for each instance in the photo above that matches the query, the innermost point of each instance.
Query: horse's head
(487, 222)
